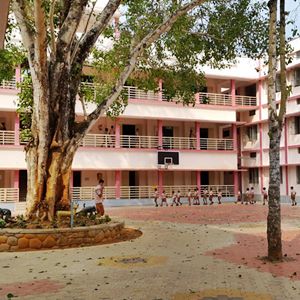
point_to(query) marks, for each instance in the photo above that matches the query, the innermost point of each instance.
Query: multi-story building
(221, 142)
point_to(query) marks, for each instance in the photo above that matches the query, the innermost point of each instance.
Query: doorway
(133, 184)
(127, 130)
(168, 133)
(22, 185)
(203, 138)
(77, 178)
(204, 178)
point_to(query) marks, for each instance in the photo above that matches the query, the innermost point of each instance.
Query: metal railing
(134, 141)
(215, 99)
(9, 194)
(88, 193)
(245, 100)
(7, 137)
(227, 190)
(99, 140)
(8, 84)
(216, 144)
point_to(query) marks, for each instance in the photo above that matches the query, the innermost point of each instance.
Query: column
(118, 184)
(17, 129)
(197, 134)
(71, 180)
(16, 181)
(160, 181)
(235, 182)
(234, 137)
(197, 98)
(199, 181)
(160, 133)
(232, 90)
(160, 89)
(117, 133)
(18, 74)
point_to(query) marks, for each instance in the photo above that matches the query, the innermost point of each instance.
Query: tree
(276, 122)
(190, 32)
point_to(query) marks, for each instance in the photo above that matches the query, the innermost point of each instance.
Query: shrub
(2, 223)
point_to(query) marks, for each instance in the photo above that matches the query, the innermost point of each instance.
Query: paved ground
(191, 253)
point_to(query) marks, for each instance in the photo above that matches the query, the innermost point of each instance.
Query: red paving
(35, 287)
(215, 214)
(249, 249)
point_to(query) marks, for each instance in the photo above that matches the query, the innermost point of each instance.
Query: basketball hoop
(166, 166)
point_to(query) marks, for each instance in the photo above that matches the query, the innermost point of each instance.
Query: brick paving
(185, 253)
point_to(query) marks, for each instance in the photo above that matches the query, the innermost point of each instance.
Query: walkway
(185, 253)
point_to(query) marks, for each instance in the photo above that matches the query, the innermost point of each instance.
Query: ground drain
(133, 260)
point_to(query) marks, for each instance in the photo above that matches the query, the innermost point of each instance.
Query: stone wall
(35, 239)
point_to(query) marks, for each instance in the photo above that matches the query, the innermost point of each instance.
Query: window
(297, 125)
(253, 175)
(298, 174)
(281, 176)
(299, 150)
(252, 154)
(252, 133)
(252, 112)
(298, 101)
(297, 77)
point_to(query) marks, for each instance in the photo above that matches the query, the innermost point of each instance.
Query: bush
(2, 223)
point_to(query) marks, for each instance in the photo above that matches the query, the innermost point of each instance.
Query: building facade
(221, 142)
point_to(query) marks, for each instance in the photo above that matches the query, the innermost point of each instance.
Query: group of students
(192, 196)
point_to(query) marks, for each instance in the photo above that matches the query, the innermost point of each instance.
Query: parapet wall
(36, 239)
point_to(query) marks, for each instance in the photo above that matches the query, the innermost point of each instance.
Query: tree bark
(275, 130)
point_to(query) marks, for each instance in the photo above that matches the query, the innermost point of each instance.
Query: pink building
(220, 143)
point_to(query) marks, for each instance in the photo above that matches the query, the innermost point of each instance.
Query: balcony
(8, 84)
(7, 137)
(9, 195)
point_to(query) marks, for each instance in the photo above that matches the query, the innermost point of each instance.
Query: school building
(221, 142)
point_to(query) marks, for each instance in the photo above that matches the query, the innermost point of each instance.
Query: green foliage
(21, 222)
(25, 107)
(2, 223)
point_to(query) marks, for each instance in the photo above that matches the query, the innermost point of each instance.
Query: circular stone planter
(36, 239)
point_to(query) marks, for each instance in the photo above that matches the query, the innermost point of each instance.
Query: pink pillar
(71, 179)
(197, 98)
(118, 184)
(236, 182)
(199, 181)
(234, 136)
(160, 133)
(261, 174)
(118, 133)
(18, 74)
(160, 181)
(117, 31)
(197, 133)
(17, 129)
(160, 88)
(16, 179)
(232, 89)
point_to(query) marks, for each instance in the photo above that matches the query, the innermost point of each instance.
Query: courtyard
(199, 252)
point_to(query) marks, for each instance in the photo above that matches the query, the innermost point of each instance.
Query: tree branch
(51, 19)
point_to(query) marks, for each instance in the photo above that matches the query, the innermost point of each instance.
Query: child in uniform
(205, 194)
(219, 197)
(293, 196)
(163, 198)
(211, 196)
(189, 196)
(178, 198)
(174, 198)
(196, 197)
(155, 196)
(265, 195)
(247, 196)
(252, 201)
(239, 197)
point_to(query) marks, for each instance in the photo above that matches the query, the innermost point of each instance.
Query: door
(22, 185)
(133, 184)
(128, 131)
(203, 138)
(204, 178)
(77, 178)
(168, 133)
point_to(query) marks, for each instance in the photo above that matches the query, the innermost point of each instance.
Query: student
(239, 197)
(112, 137)
(99, 197)
(174, 198)
(219, 197)
(247, 196)
(189, 197)
(211, 196)
(163, 198)
(178, 195)
(252, 201)
(205, 195)
(293, 196)
(155, 196)
(196, 197)
(265, 195)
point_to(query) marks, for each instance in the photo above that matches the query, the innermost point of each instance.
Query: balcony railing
(133, 141)
(8, 84)
(7, 137)
(9, 194)
(215, 99)
(99, 140)
(245, 100)
(216, 144)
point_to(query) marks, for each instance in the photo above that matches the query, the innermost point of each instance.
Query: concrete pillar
(160, 181)
(118, 133)
(17, 129)
(236, 182)
(118, 184)
(160, 133)
(197, 134)
(234, 136)
(160, 89)
(232, 90)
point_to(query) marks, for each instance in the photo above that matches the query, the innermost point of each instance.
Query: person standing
(219, 196)
(205, 195)
(163, 198)
(178, 195)
(265, 195)
(155, 196)
(239, 197)
(252, 201)
(174, 198)
(211, 197)
(247, 196)
(293, 196)
(189, 197)
(196, 197)
(99, 190)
